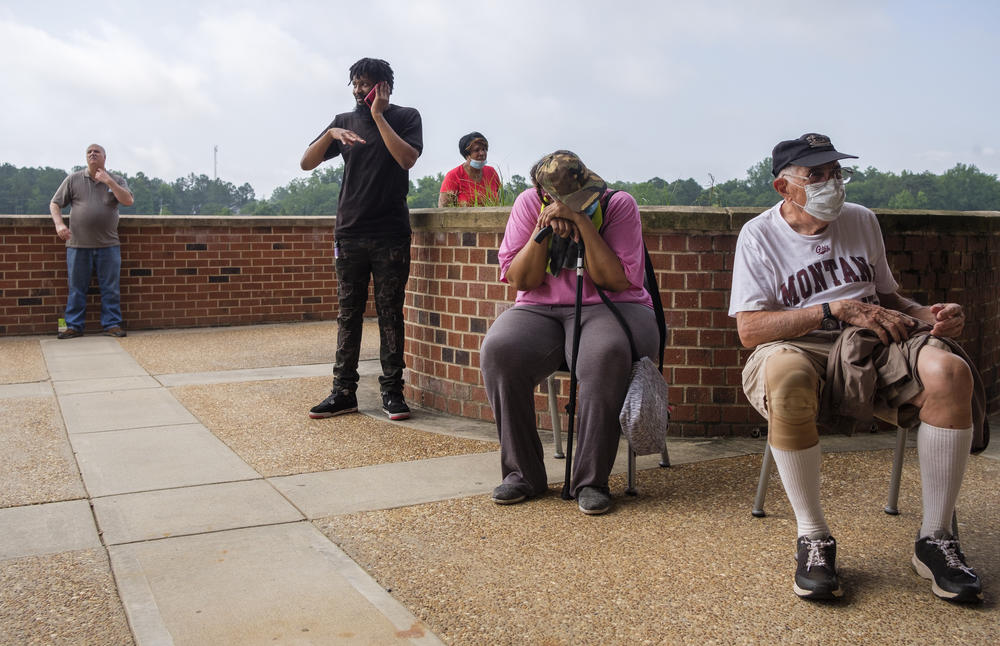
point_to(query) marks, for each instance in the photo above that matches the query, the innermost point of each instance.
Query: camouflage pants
(387, 261)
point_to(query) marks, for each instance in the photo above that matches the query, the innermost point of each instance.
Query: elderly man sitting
(811, 286)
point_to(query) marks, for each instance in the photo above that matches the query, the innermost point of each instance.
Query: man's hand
(102, 176)
(889, 325)
(949, 319)
(63, 232)
(345, 137)
(381, 101)
(123, 195)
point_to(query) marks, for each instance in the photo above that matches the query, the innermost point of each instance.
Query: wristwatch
(830, 321)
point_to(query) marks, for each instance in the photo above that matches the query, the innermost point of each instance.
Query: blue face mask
(475, 163)
(589, 211)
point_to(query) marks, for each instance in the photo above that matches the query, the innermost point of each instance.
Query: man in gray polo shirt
(91, 238)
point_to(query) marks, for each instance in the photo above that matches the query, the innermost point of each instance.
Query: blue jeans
(81, 263)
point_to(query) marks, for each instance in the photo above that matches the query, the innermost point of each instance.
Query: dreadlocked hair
(534, 181)
(376, 69)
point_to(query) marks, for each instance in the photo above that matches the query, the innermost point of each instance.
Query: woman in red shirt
(473, 183)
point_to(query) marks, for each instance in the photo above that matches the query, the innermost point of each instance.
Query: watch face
(831, 324)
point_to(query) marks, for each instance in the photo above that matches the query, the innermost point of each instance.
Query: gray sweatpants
(527, 343)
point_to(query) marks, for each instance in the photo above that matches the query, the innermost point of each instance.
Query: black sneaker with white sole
(939, 558)
(395, 406)
(338, 403)
(816, 572)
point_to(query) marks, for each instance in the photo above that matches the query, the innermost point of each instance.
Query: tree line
(962, 188)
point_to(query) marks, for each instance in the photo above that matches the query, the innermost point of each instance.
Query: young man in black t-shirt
(379, 142)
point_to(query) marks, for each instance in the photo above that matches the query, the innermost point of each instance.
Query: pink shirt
(622, 230)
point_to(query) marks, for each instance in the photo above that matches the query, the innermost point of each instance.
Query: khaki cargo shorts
(754, 385)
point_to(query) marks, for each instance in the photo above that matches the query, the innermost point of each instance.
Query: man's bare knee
(945, 400)
(944, 376)
(792, 401)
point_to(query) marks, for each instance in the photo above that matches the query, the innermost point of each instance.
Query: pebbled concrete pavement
(127, 473)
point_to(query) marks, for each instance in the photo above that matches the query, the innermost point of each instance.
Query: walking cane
(571, 406)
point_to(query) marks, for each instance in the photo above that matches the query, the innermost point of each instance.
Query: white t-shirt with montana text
(776, 268)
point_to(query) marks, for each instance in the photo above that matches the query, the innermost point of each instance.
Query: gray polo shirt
(93, 213)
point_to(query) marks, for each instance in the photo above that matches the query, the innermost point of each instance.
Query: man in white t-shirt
(804, 269)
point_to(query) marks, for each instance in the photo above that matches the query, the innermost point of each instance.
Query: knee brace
(792, 388)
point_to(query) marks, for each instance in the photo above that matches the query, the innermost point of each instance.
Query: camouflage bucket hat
(563, 176)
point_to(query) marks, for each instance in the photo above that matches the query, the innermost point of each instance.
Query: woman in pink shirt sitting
(473, 183)
(531, 340)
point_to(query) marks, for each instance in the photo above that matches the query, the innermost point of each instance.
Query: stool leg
(897, 472)
(665, 456)
(550, 383)
(765, 474)
(630, 487)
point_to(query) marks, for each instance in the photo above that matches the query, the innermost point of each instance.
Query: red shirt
(470, 193)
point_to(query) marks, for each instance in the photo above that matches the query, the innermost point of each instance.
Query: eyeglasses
(817, 175)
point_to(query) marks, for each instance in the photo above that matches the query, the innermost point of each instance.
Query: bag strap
(651, 285)
(621, 321)
(605, 199)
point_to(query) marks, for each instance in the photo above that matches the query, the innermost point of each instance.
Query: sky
(639, 89)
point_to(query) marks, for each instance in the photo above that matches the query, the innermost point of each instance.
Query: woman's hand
(564, 221)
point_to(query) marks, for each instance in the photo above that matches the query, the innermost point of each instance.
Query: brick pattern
(455, 296)
(185, 272)
(178, 275)
(933, 268)
(452, 298)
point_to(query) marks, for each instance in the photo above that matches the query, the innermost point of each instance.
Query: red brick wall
(455, 297)
(189, 271)
(177, 272)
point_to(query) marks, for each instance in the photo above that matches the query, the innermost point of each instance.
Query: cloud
(672, 89)
(154, 160)
(252, 55)
(92, 68)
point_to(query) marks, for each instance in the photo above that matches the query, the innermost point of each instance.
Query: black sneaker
(337, 403)
(816, 574)
(509, 494)
(593, 500)
(939, 558)
(69, 333)
(395, 406)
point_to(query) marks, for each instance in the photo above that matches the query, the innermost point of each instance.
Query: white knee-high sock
(943, 454)
(799, 471)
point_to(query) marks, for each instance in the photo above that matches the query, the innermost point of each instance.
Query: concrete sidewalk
(203, 548)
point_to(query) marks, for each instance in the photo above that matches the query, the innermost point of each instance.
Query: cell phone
(371, 95)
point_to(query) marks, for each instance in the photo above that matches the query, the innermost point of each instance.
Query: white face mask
(825, 200)
(475, 163)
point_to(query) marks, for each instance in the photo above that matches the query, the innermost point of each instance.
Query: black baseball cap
(811, 149)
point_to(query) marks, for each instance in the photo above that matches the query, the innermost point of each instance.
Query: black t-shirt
(372, 201)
